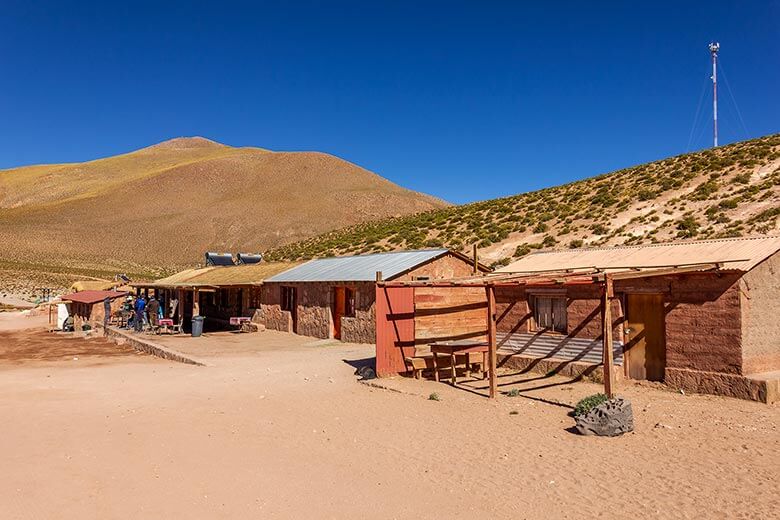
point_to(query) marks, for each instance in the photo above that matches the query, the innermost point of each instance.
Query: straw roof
(216, 276)
(738, 254)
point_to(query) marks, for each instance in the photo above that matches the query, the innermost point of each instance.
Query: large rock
(609, 419)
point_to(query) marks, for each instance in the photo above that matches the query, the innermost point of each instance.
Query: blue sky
(463, 100)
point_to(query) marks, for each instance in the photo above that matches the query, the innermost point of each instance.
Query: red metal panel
(394, 329)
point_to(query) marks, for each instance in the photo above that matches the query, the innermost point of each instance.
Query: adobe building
(217, 292)
(336, 297)
(698, 315)
(87, 307)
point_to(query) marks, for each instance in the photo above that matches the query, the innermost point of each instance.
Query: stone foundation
(729, 385)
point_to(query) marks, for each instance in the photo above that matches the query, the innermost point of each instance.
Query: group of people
(140, 312)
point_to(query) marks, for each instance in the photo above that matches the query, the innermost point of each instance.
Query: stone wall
(760, 312)
(271, 314)
(361, 328)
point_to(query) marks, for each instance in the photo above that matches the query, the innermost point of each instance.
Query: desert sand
(276, 426)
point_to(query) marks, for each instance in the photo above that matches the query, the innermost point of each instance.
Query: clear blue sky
(463, 100)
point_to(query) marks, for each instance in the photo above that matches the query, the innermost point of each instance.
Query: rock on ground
(609, 419)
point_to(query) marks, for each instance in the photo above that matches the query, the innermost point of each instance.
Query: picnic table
(458, 347)
(242, 322)
(166, 325)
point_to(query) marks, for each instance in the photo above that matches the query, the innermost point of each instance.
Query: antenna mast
(714, 48)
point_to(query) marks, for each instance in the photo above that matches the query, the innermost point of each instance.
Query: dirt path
(285, 431)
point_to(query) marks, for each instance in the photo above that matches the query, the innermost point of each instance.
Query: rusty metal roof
(738, 254)
(91, 297)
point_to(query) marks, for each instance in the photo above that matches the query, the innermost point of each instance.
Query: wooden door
(394, 329)
(645, 338)
(339, 308)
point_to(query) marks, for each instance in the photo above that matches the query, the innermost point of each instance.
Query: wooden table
(165, 324)
(458, 347)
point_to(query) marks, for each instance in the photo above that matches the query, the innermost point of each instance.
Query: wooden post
(476, 259)
(606, 323)
(195, 302)
(379, 276)
(491, 329)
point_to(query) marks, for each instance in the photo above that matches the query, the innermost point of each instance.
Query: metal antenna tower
(714, 48)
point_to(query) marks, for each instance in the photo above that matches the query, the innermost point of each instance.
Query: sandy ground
(278, 427)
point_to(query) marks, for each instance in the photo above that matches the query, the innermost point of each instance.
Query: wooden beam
(606, 324)
(379, 276)
(703, 268)
(195, 302)
(491, 327)
(476, 260)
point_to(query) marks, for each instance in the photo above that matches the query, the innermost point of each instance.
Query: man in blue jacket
(140, 305)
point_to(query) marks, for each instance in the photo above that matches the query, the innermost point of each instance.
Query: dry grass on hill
(155, 209)
(730, 191)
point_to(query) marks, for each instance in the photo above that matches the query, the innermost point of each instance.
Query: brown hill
(163, 206)
(729, 191)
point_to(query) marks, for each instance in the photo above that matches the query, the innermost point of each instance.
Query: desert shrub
(434, 397)
(645, 194)
(522, 250)
(575, 244)
(541, 227)
(549, 241)
(599, 229)
(588, 403)
(687, 227)
(742, 178)
(513, 392)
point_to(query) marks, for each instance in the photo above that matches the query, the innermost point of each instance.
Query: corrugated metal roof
(248, 274)
(740, 254)
(361, 268)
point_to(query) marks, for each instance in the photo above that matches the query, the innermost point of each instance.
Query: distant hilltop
(165, 205)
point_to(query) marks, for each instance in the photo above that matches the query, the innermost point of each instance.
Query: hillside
(162, 207)
(730, 191)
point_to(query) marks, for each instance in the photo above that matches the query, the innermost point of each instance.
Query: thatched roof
(221, 276)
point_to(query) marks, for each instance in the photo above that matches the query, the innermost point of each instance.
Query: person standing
(152, 309)
(106, 314)
(140, 306)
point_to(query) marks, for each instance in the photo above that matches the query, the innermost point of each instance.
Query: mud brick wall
(760, 289)
(703, 319)
(583, 311)
(447, 266)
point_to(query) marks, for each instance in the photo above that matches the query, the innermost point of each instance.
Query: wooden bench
(422, 355)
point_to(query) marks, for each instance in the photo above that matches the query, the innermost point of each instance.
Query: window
(349, 302)
(550, 313)
(288, 298)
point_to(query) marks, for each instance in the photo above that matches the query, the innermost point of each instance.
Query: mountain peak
(181, 143)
